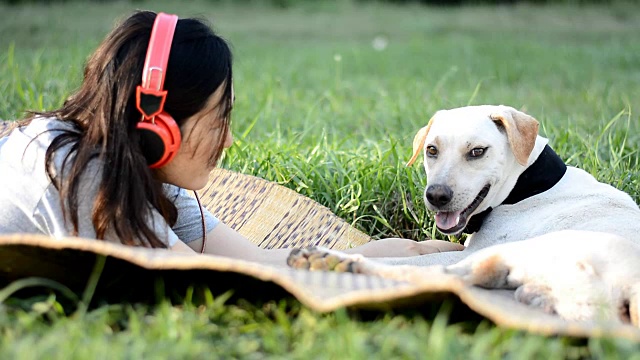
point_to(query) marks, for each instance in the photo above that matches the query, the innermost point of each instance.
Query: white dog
(563, 241)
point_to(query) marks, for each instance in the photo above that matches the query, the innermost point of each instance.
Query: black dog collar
(541, 176)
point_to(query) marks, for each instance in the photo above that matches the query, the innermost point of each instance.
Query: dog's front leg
(577, 275)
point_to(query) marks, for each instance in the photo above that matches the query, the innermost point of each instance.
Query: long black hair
(104, 116)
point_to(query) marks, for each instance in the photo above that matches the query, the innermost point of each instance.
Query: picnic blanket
(272, 216)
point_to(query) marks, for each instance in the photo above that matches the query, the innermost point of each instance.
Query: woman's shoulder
(46, 126)
(41, 130)
(26, 146)
(33, 137)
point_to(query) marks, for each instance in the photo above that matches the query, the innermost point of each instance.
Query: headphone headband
(150, 96)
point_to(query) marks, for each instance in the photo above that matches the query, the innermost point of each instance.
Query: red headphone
(159, 132)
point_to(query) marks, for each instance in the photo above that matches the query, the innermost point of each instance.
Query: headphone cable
(204, 227)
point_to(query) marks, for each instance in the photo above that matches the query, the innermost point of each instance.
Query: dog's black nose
(439, 195)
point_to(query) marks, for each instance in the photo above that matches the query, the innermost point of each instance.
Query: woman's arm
(182, 248)
(224, 241)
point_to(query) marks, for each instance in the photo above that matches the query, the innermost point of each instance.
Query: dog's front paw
(538, 296)
(318, 258)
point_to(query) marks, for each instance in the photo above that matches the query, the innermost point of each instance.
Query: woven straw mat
(271, 216)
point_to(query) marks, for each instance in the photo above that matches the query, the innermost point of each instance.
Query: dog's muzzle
(453, 222)
(439, 195)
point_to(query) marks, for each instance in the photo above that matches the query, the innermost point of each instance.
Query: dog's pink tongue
(447, 220)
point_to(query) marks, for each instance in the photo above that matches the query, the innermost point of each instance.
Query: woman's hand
(397, 247)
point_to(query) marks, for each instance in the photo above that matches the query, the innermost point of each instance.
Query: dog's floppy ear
(522, 131)
(418, 142)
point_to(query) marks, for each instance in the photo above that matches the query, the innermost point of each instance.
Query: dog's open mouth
(452, 222)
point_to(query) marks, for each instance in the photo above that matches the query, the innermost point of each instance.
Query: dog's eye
(476, 152)
(432, 151)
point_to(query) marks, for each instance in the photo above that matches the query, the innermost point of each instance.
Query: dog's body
(563, 241)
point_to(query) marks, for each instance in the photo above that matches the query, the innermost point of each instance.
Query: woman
(91, 169)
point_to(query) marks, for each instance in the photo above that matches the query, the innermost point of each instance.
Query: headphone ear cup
(159, 139)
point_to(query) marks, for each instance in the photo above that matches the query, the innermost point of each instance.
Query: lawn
(329, 97)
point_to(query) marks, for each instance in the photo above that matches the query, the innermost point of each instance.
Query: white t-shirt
(30, 203)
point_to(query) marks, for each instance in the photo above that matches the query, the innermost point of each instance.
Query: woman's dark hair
(104, 115)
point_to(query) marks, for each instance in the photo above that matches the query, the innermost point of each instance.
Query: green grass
(321, 111)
